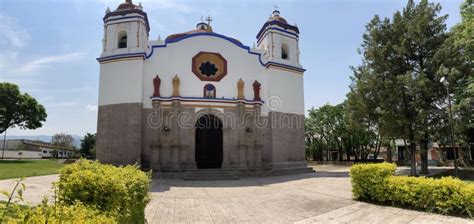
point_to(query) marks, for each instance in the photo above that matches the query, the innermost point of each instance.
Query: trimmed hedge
(122, 191)
(446, 195)
(368, 180)
(47, 213)
(375, 182)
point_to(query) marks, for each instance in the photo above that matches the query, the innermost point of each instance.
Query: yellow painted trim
(208, 106)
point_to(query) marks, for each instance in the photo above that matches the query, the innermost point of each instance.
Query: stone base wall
(162, 138)
(119, 133)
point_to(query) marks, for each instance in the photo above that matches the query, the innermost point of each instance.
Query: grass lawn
(28, 168)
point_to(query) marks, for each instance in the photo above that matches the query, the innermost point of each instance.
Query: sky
(49, 47)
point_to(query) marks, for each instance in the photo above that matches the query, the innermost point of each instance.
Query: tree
(456, 60)
(19, 110)
(400, 56)
(88, 145)
(63, 139)
(328, 128)
(363, 112)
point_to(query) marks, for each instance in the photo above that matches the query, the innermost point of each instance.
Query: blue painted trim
(237, 43)
(128, 17)
(278, 23)
(217, 100)
(119, 56)
(295, 36)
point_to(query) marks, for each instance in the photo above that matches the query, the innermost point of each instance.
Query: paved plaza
(321, 197)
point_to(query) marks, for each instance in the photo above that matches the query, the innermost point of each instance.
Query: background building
(27, 149)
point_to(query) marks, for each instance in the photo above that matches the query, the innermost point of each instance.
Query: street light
(445, 82)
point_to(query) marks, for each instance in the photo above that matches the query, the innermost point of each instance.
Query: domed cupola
(276, 17)
(279, 40)
(202, 28)
(127, 5)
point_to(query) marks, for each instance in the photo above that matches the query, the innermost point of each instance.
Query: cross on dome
(208, 20)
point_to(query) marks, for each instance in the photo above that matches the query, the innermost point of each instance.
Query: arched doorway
(208, 142)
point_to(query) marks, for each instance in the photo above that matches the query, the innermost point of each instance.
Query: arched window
(122, 39)
(285, 51)
(209, 91)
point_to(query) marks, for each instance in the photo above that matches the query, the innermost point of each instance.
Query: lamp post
(4, 143)
(445, 82)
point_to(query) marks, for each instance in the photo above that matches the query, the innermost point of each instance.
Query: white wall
(176, 58)
(286, 89)
(122, 82)
(14, 154)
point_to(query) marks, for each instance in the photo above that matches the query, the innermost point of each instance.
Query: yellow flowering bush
(375, 182)
(50, 213)
(446, 195)
(368, 180)
(117, 190)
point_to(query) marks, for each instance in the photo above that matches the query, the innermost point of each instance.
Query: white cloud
(91, 108)
(44, 62)
(12, 34)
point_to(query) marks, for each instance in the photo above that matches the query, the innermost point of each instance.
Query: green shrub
(73, 214)
(446, 195)
(368, 180)
(110, 189)
(375, 182)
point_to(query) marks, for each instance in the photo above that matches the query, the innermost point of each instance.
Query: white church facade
(199, 99)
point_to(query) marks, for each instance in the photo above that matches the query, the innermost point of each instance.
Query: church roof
(200, 28)
(127, 5)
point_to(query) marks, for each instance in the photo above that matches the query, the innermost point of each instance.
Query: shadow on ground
(161, 185)
(462, 174)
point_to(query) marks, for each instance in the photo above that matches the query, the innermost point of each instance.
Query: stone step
(220, 174)
(293, 171)
(210, 178)
(214, 174)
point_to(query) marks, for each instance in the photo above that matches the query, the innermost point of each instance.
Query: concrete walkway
(36, 188)
(321, 197)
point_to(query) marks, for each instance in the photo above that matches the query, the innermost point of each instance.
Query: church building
(199, 99)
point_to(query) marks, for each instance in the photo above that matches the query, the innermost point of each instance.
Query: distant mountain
(44, 138)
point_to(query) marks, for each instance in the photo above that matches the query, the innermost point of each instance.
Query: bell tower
(121, 61)
(279, 40)
(125, 29)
